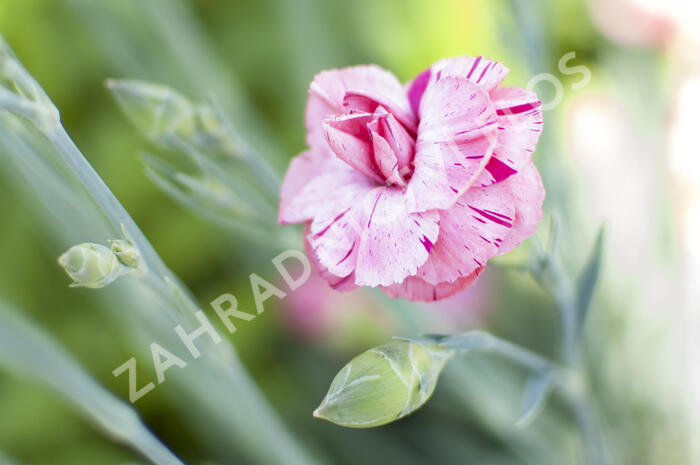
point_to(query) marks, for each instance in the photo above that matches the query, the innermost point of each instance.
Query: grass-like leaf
(589, 277)
(30, 352)
(535, 397)
(80, 207)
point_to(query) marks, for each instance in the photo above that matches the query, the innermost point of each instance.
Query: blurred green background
(257, 58)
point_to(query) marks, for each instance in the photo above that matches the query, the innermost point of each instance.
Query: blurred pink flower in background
(647, 23)
(633, 22)
(317, 313)
(412, 189)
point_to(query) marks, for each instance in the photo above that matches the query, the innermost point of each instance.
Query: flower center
(375, 138)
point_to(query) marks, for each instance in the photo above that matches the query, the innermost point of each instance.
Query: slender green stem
(576, 393)
(479, 340)
(551, 277)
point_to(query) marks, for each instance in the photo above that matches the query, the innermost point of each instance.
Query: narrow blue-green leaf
(28, 351)
(553, 234)
(537, 390)
(589, 277)
(6, 460)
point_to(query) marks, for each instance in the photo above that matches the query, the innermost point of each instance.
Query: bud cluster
(95, 266)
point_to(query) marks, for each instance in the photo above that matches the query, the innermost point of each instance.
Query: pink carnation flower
(412, 189)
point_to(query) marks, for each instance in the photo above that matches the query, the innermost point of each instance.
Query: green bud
(212, 133)
(157, 110)
(383, 384)
(91, 265)
(162, 114)
(128, 254)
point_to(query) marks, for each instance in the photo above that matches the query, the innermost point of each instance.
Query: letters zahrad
(226, 308)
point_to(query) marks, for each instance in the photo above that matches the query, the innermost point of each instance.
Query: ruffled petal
(415, 90)
(519, 128)
(338, 283)
(471, 232)
(315, 194)
(393, 148)
(528, 195)
(417, 289)
(368, 102)
(329, 88)
(302, 170)
(484, 72)
(456, 136)
(386, 161)
(395, 242)
(339, 221)
(349, 138)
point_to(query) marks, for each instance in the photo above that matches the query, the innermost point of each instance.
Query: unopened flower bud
(90, 265)
(212, 132)
(157, 110)
(383, 384)
(164, 115)
(128, 255)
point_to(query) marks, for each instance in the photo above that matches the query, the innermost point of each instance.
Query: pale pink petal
(416, 289)
(395, 242)
(486, 73)
(471, 232)
(350, 140)
(455, 140)
(481, 71)
(338, 283)
(393, 148)
(399, 140)
(528, 195)
(385, 159)
(519, 128)
(315, 194)
(369, 102)
(415, 90)
(339, 221)
(302, 169)
(328, 90)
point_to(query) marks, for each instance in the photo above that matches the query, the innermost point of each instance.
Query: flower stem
(554, 280)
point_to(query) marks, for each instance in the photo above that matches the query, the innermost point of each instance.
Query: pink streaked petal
(328, 89)
(471, 232)
(519, 128)
(483, 72)
(457, 134)
(417, 289)
(350, 140)
(385, 159)
(415, 90)
(302, 170)
(395, 242)
(528, 195)
(393, 148)
(339, 221)
(369, 102)
(399, 140)
(315, 195)
(338, 283)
